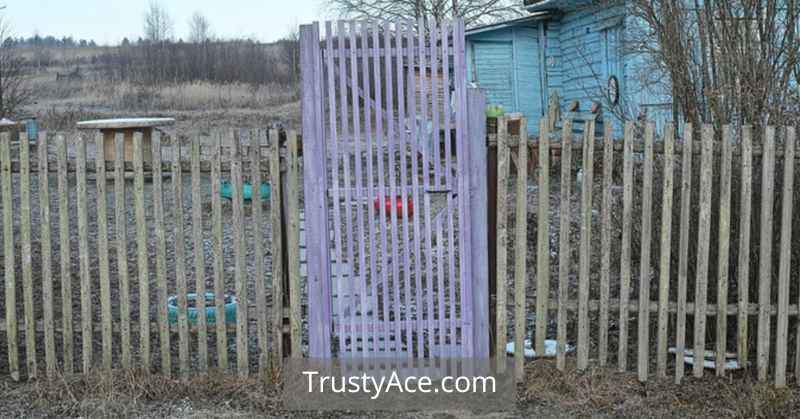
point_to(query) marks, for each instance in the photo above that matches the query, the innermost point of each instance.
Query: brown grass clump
(605, 391)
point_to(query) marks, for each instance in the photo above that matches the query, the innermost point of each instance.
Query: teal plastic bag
(226, 191)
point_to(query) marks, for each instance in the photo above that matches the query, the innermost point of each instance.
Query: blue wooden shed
(573, 48)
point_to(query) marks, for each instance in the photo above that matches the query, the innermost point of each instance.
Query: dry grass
(603, 391)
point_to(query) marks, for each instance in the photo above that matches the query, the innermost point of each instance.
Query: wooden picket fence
(627, 318)
(38, 217)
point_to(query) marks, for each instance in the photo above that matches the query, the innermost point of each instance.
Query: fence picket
(765, 253)
(703, 246)
(199, 257)
(585, 245)
(782, 326)
(180, 260)
(142, 258)
(564, 244)
(9, 275)
(645, 263)
(277, 245)
(542, 239)
(121, 228)
(256, 143)
(745, 220)
(448, 151)
(293, 205)
(83, 250)
(723, 253)
(102, 250)
(219, 272)
(26, 254)
(503, 173)
(161, 256)
(520, 253)
(683, 250)
(625, 258)
(65, 255)
(46, 251)
(373, 267)
(239, 252)
(605, 242)
(666, 252)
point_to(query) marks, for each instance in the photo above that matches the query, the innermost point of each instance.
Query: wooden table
(127, 127)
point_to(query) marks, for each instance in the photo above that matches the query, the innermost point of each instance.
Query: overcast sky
(108, 21)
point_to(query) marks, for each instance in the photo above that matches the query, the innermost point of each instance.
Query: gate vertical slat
(219, 271)
(83, 258)
(365, 87)
(25, 254)
(723, 252)
(380, 142)
(256, 143)
(520, 253)
(334, 141)
(180, 260)
(666, 251)
(293, 205)
(564, 244)
(585, 246)
(65, 256)
(683, 250)
(542, 240)
(646, 249)
(121, 227)
(199, 257)
(9, 274)
(436, 158)
(359, 187)
(390, 139)
(239, 251)
(703, 245)
(141, 252)
(765, 254)
(347, 186)
(625, 257)
(161, 257)
(503, 174)
(743, 268)
(605, 242)
(403, 142)
(315, 191)
(277, 245)
(451, 267)
(102, 250)
(426, 181)
(782, 326)
(47, 261)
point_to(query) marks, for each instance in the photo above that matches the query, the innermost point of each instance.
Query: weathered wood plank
(9, 263)
(503, 174)
(277, 245)
(121, 228)
(585, 246)
(199, 257)
(703, 244)
(723, 253)
(142, 257)
(219, 258)
(182, 289)
(47, 262)
(83, 256)
(26, 254)
(542, 239)
(666, 251)
(745, 220)
(256, 140)
(65, 255)
(683, 250)
(520, 258)
(296, 310)
(239, 251)
(564, 245)
(625, 257)
(605, 242)
(102, 250)
(782, 326)
(161, 257)
(645, 268)
(765, 253)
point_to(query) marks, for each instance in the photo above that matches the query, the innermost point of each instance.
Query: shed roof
(506, 23)
(534, 6)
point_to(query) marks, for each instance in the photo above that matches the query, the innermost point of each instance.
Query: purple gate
(395, 192)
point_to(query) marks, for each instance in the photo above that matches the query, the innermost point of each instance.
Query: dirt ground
(546, 393)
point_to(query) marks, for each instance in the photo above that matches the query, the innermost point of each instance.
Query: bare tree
(199, 28)
(727, 61)
(472, 11)
(14, 89)
(158, 24)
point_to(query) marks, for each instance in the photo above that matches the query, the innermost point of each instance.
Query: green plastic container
(494, 111)
(226, 190)
(211, 310)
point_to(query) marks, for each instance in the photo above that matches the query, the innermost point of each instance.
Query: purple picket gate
(395, 192)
